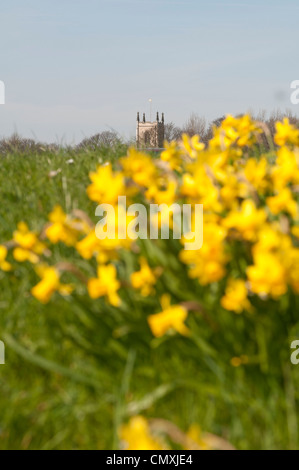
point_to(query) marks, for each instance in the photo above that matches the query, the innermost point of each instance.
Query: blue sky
(75, 67)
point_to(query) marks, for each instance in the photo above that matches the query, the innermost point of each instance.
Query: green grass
(74, 371)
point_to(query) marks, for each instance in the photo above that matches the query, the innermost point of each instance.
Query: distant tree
(210, 130)
(130, 142)
(172, 132)
(217, 122)
(103, 139)
(195, 124)
(21, 145)
(260, 116)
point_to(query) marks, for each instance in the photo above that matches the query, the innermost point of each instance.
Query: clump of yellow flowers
(136, 435)
(140, 433)
(250, 252)
(250, 202)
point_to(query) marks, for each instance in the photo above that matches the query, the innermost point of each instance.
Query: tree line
(195, 124)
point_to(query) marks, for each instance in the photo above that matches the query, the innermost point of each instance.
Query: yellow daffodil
(231, 191)
(62, 228)
(235, 298)
(162, 194)
(248, 130)
(200, 189)
(192, 145)
(283, 202)
(4, 265)
(171, 318)
(247, 221)
(89, 245)
(29, 247)
(256, 172)
(208, 264)
(105, 285)
(144, 279)
(50, 283)
(106, 248)
(139, 167)
(286, 169)
(286, 133)
(195, 434)
(136, 435)
(268, 275)
(106, 185)
(240, 131)
(172, 155)
(270, 238)
(295, 231)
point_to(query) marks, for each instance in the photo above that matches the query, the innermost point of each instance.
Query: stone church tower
(150, 134)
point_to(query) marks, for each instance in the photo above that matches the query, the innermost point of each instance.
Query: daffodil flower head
(235, 298)
(29, 247)
(172, 317)
(50, 283)
(4, 265)
(144, 279)
(62, 228)
(106, 185)
(286, 133)
(139, 167)
(173, 155)
(105, 284)
(136, 435)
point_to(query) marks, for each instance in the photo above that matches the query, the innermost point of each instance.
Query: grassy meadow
(79, 368)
